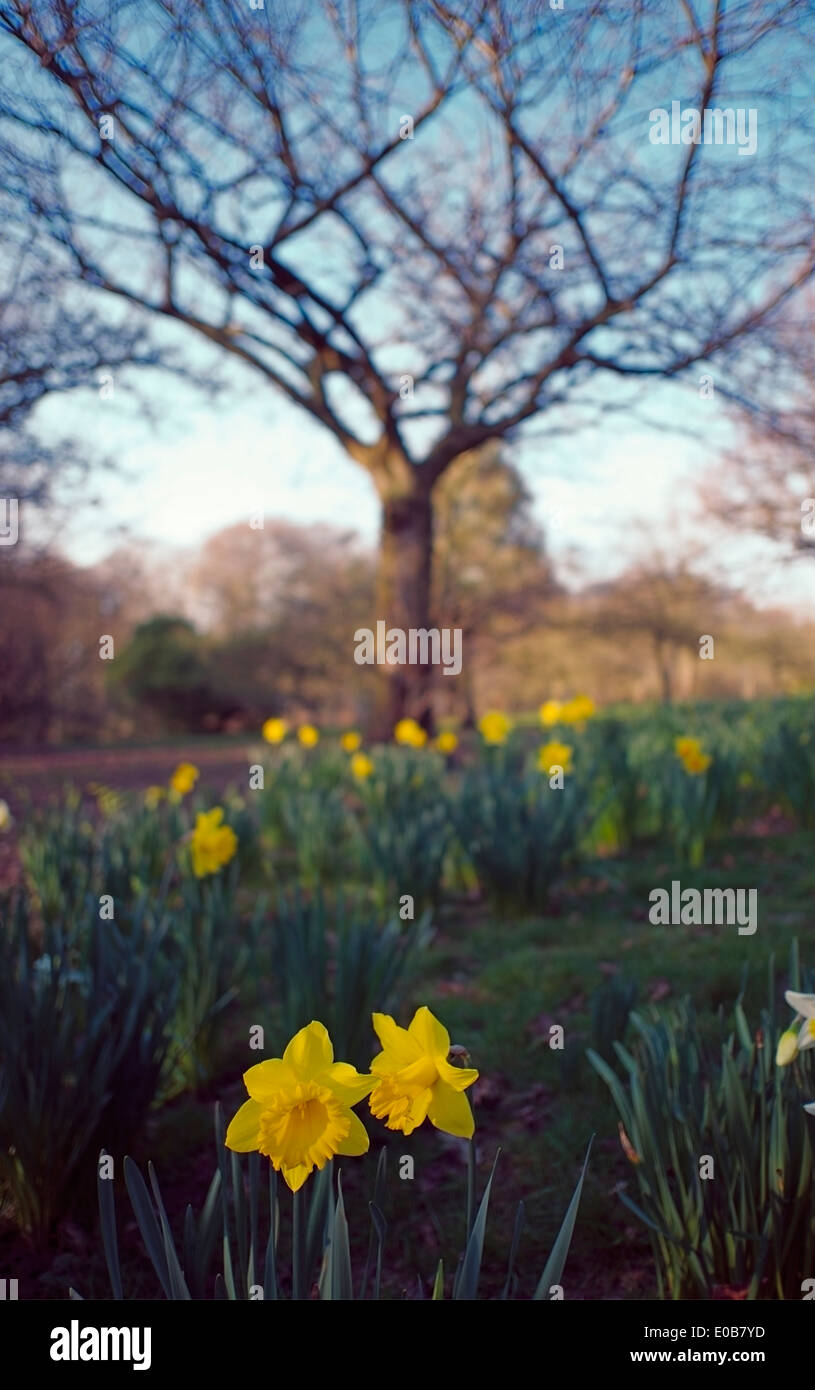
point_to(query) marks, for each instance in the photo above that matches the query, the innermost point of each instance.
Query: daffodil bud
(787, 1048)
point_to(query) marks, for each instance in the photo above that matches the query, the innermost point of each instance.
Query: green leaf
(149, 1227)
(107, 1221)
(466, 1286)
(553, 1269)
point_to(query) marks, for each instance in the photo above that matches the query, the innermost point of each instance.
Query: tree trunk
(403, 601)
(664, 667)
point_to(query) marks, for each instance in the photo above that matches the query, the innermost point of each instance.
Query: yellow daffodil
(689, 753)
(5, 816)
(184, 778)
(275, 730)
(308, 735)
(361, 766)
(550, 712)
(299, 1110)
(495, 726)
(804, 1006)
(416, 1081)
(578, 710)
(410, 733)
(108, 800)
(447, 741)
(213, 844)
(555, 755)
(351, 741)
(787, 1048)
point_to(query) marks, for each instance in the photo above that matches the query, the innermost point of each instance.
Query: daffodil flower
(410, 733)
(787, 1050)
(299, 1110)
(361, 766)
(804, 1006)
(213, 844)
(415, 1081)
(495, 726)
(184, 778)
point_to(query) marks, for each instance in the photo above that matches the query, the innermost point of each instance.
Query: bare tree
(428, 225)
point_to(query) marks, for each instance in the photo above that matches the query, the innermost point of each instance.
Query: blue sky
(608, 493)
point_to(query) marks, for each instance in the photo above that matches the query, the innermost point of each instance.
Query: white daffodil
(804, 1006)
(810, 1109)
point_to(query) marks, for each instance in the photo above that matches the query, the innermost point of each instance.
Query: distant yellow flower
(108, 800)
(5, 816)
(415, 1080)
(550, 712)
(351, 741)
(153, 796)
(299, 1110)
(578, 710)
(555, 755)
(361, 766)
(184, 778)
(410, 733)
(689, 753)
(787, 1048)
(447, 741)
(275, 730)
(212, 844)
(308, 735)
(495, 726)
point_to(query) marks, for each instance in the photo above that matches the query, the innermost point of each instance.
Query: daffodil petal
(243, 1132)
(348, 1084)
(806, 1037)
(803, 1004)
(296, 1176)
(310, 1051)
(356, 1141)
(266, 1079)
(432, 1037)
(396, 1041)
(457, 1077)
(450, 1110)
(420, 1108)
(810, 1109)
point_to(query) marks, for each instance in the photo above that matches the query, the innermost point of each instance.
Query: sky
(607, 494)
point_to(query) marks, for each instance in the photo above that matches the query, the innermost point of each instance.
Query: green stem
(471, 1162)
(298, 1247)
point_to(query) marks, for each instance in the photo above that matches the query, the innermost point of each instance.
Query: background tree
(492, 577)
(426, 225)
(165, 670)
